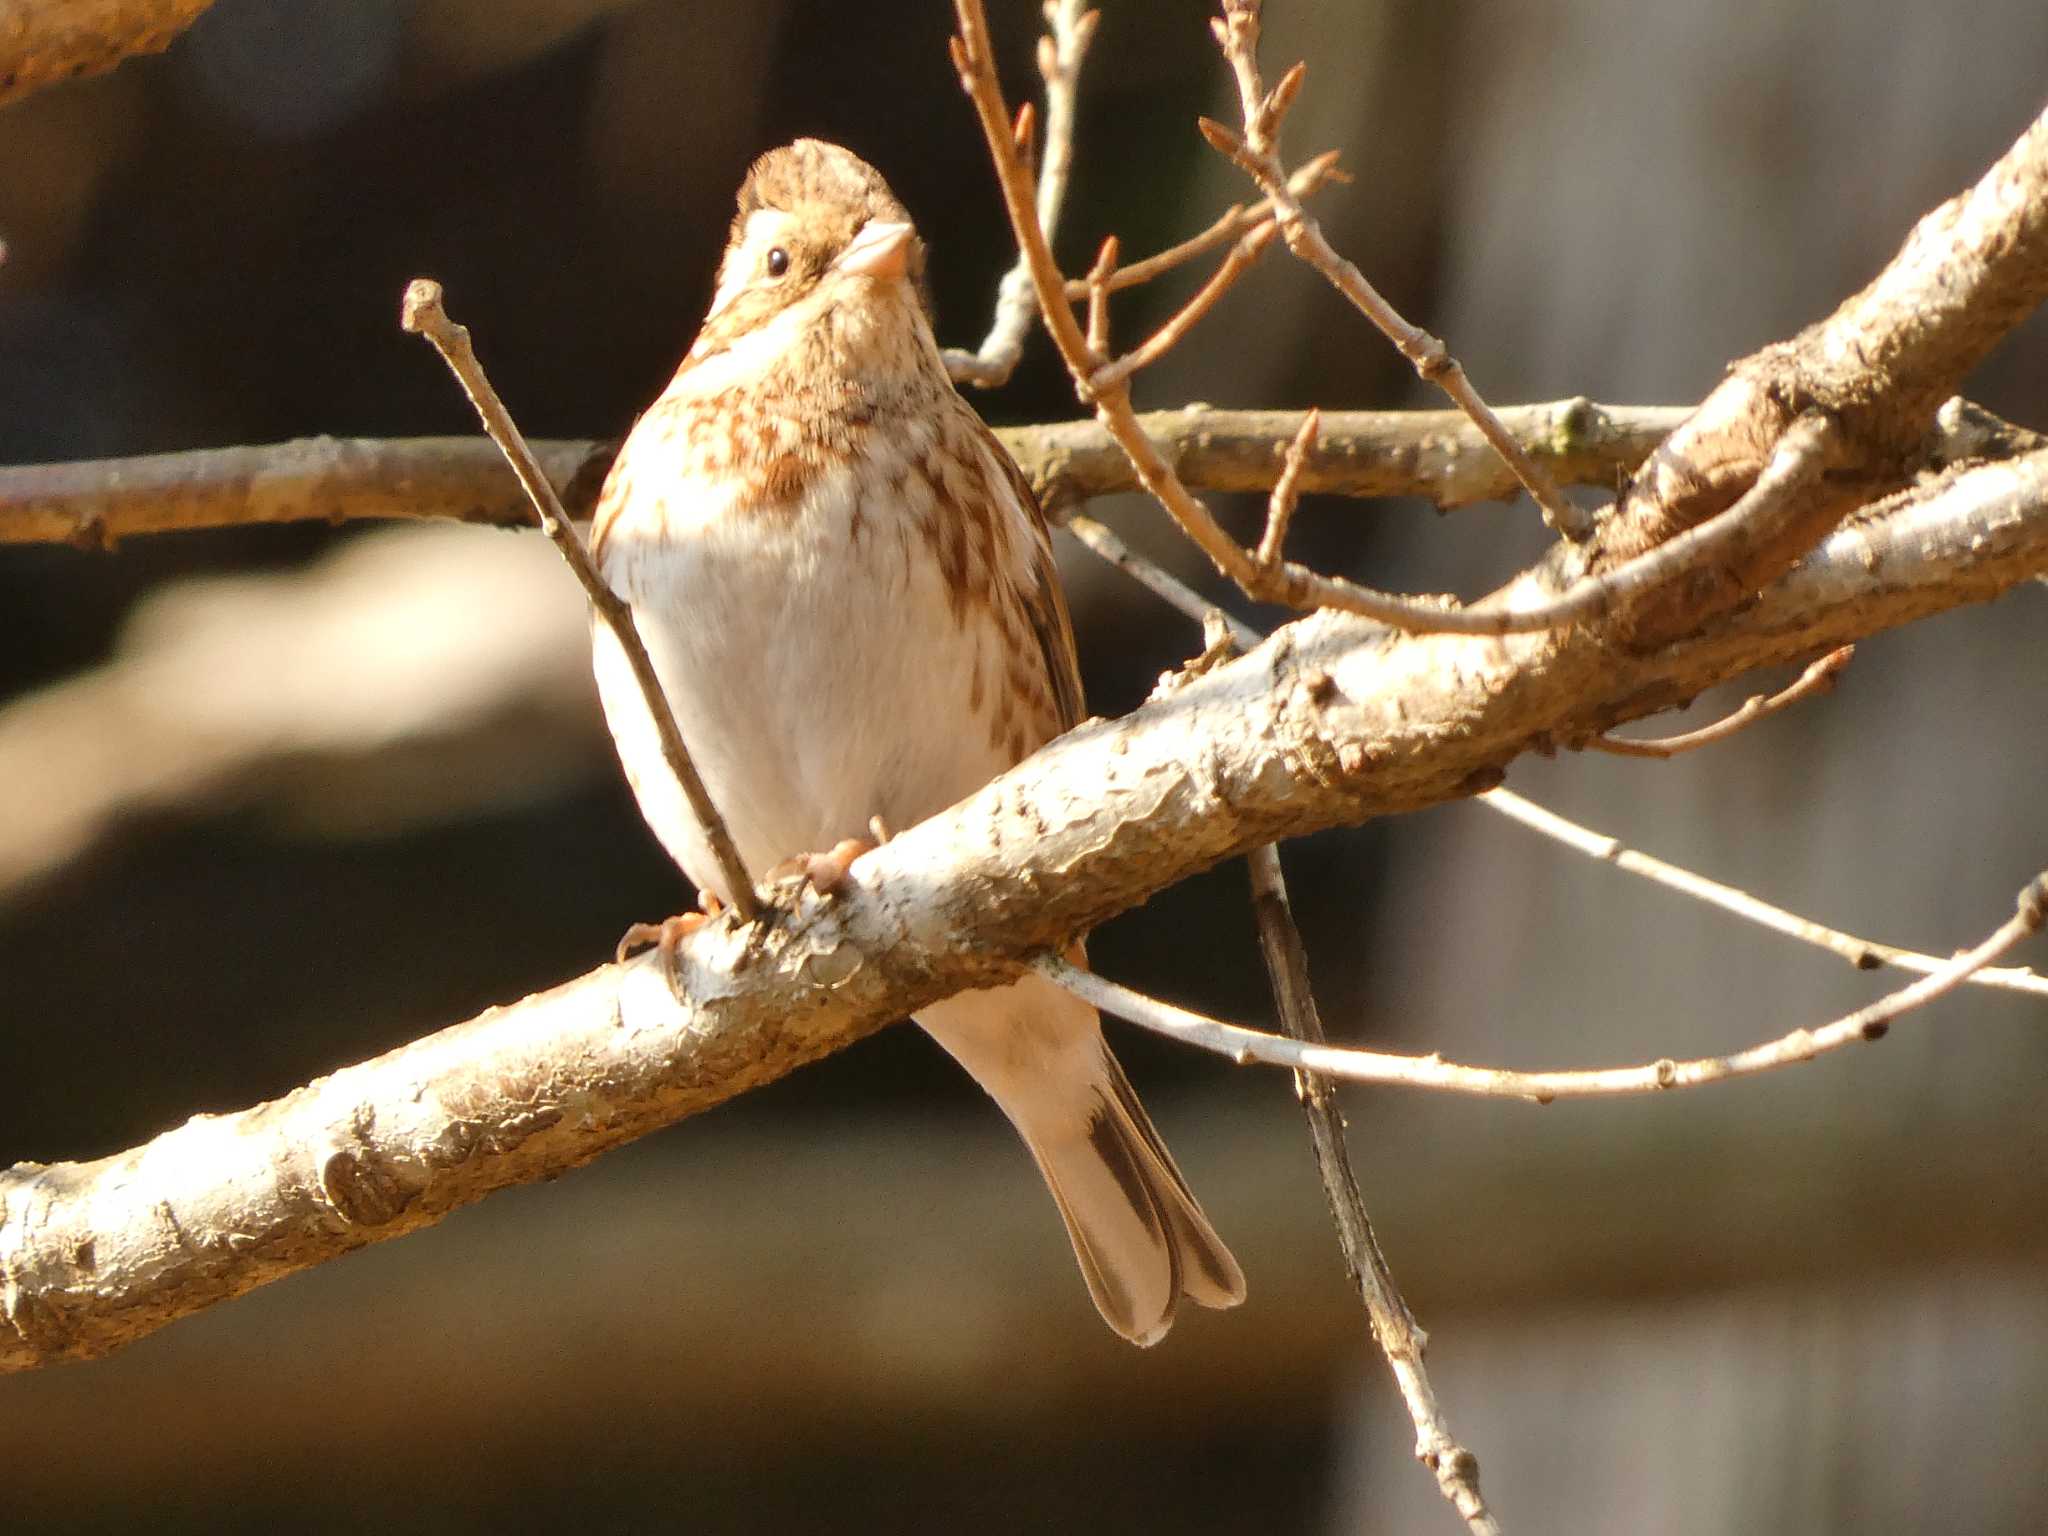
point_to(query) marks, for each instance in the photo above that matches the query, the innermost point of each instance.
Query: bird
(849, 596)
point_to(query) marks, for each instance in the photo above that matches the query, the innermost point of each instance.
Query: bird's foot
(666, 936)
(825, 873)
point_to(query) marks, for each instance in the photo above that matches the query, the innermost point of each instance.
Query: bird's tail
(1141, 1237)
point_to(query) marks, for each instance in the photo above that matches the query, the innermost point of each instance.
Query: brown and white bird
(849, 595)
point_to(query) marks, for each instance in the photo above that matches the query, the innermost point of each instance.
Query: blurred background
(279, 799)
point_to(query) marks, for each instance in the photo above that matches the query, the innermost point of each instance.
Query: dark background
(1815, 1302)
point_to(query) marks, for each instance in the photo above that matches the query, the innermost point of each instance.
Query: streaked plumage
(850, 597)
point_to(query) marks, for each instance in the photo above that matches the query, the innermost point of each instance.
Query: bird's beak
(881, 250)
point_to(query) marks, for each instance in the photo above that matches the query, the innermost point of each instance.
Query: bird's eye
(778, 262)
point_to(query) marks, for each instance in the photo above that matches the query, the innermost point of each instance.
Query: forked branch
(1432, 1072)
(1257, 152)
(1864, 954)
(1069, 31)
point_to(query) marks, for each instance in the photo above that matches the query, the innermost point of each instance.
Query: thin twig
(1237, 33)
(1432, 1072)
(1238, 219)
(1286, 583)
(1183, 320)
(1155, 578)
(1799, 459)
(974, 60)
(1864, 954)
(1818, 678)
(1287, 491)
(1394, 1327)
(1098, 296)
(423, 315)
(1069, 30)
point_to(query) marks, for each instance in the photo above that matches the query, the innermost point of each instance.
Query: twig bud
(1281, 97)
(1220, 138)
(1024, 129)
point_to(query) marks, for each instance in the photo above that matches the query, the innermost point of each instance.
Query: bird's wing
(1043, 598)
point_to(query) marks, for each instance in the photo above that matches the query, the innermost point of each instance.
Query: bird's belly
(818, 680)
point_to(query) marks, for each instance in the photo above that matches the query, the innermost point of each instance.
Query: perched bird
(849, 595)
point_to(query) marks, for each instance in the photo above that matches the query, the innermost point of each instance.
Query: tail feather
(1138, 1232)
(1122, 1243)
(1209, 1271)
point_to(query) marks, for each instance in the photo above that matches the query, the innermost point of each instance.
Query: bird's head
(820, 250)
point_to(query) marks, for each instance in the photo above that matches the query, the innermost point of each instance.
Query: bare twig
(1237, 33)
(1864, 954)
(423, 315)
(1432, 1072)
(1069, 30)
(1098, 297)
(1291, 584)
(1155, 578)
(974, 59)
(1288, 583)
(1394, 1327)
(1817, 678)
(1234, 221)
(1183, 320)
(1286, 492)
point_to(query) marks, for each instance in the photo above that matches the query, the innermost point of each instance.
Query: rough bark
(1433, 454)
(1331, 722)
(1877, 370)
(45, 41)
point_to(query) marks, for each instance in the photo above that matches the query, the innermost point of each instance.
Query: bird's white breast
(816, 668)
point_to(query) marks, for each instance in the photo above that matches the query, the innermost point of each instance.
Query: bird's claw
(825, 873)
(666, 936)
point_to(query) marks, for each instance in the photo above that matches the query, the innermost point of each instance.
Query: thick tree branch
(1879, 368)
(1720, 561)
(1864, 954)
(45, 41)
(1436, 455)
(94, 503)
(1332, 721)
